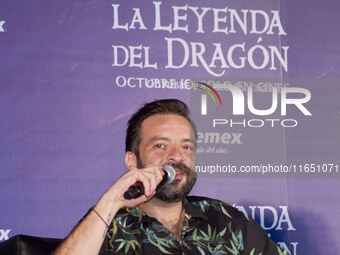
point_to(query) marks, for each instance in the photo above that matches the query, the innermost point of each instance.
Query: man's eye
(187, 147)
(159, 146)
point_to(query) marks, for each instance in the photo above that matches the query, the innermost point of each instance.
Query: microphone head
(170, 173)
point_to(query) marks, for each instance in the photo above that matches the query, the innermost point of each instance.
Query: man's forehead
(165, 119)
(158, 122)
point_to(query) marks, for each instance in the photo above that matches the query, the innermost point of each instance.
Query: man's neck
(159, 209)
(171, 215)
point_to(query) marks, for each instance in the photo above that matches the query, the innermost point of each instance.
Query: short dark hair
(164, 106)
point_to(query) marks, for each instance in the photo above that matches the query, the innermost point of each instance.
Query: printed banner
(261, 79)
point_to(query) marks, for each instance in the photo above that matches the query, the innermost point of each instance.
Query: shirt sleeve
(257, 241)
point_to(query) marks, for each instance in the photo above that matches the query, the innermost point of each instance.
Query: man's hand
(150, 177)
(88, 236)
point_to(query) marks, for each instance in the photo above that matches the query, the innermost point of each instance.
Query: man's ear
(130, 160)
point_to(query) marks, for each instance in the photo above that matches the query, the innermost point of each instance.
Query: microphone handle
(137, 189)
(134, 191)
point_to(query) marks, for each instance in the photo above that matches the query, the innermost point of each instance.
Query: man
(164, 219)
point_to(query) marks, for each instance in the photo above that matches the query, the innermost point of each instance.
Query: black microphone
(137, 189)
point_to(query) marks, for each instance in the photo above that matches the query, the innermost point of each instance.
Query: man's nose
(175, 154)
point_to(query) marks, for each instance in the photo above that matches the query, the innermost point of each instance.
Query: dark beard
(171, 193)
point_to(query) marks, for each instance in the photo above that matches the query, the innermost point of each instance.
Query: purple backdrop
(72, 72)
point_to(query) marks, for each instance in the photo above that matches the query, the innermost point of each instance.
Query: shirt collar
(193, 211)
(190, 210)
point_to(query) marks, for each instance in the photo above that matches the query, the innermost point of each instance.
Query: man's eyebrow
(188, 140)
(158, 138)
(161, 138)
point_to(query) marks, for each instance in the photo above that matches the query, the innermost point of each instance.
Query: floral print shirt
(209, 227)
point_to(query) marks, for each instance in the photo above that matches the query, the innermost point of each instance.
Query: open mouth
(181, 169)
(179, 172)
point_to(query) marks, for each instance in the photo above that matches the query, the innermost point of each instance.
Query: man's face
(167, 139)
